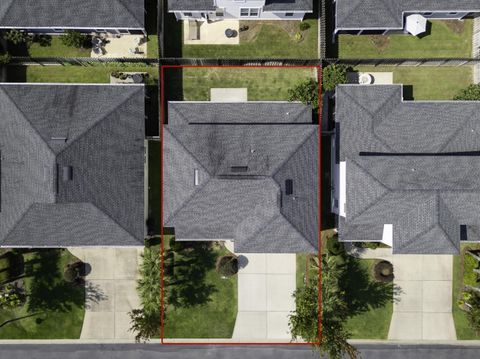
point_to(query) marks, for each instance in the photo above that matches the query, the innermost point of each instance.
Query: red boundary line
(162, 121)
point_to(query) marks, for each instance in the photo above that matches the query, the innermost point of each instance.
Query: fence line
(405, 62)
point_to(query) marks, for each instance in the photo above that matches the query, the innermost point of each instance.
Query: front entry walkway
(110, 291)
(266, 283)
(422, 308)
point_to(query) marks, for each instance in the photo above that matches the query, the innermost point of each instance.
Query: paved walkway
(110, 291)
(422, 307)
(229, 94)
(265, 287)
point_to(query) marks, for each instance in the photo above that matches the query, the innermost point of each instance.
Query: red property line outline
(162, 248)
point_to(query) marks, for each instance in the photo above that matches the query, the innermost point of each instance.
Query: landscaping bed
(200, 302)
(447, 39)
(50, 307)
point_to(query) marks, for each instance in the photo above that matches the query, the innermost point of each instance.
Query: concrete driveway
(266, 283)
(110, 291)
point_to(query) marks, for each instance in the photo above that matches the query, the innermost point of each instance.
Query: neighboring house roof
(85, 190)
(249, 206)
(413, 164)
(383, 14)
(73, 13)
(270, 5)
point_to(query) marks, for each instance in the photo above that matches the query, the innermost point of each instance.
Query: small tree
(471, 93)
(73, 38)
(145, 325)
(305, 92)
(334, 75)
(17, 37)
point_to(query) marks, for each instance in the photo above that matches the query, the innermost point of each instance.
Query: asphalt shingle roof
(102, 203)
(248, 207)
(365, 14)
(73, 13)
(270, 5)
(415, 165)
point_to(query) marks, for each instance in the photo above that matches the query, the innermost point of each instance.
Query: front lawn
(264, 84)
(373, 301)
(54, 309)
(447, 39)
(462, 271)
(199, 302)
(427, 83)
(264, 39)
(76, 74)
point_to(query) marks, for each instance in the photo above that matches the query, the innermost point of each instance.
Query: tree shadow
(93, 295)
(48, 290)
(361, 292)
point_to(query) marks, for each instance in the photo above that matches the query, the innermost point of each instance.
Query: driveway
(266, 283)
(110, 291)
(422, 308)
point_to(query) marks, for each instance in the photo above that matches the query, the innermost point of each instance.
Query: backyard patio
(211, 33)
(119, 46)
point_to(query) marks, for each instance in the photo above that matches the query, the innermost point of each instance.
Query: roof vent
(237, 169)
(288, 187)
(67, 173)
(196, 178)
(59, 139)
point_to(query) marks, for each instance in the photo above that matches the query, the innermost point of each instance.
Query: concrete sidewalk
(265, 287)
(110, 291)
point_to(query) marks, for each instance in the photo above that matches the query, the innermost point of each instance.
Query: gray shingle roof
(415, 165)
(102, 203)
(249, 207)
(270, 5)
(73, 13)
(365, 14)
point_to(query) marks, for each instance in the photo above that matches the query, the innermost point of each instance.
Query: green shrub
(73, 39)
(371, 245)
(305, 92)
(70, 275)
(304, 26)
(176, 246)
(334, 75)
(383, 271)
(227, 265)
(473, 312)
(17, 37)
(334, 247)
(5, 59)
(471, 93)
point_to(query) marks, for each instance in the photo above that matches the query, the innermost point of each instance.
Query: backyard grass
(74, 74)
(54, 308)
(427, 83)
(264, 84)
(448, 39)
(373, 323)
(57, 49)
(464, 332)
(213, 319)
(268, 39)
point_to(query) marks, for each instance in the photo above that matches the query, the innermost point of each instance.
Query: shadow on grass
(361, 292)
(173, 36)
(48, 290)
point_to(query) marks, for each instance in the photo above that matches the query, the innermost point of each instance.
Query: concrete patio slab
(278, 287)
(281, 263)
(125, 260)
(277, 326)
(438, 326)
(212, 33)
(229, 94)
(410, 299)
(405, 326)
(252, 292)
(125, 298)
(125, 46)
(443, 265)
(437, 296)
(250, 325)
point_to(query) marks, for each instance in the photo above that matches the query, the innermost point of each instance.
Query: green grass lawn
(450, 39)
(272, 40)
(213, 319)
(464, 332)
(54, 308)
(75, 74)
(428, 83)
(264, 84)
(375, 322)
(57, 49)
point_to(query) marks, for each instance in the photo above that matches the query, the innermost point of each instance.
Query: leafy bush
(298, 36)
(227, 265)
(11, 297)
(5, 59)
(383, 271)
(334, 75)
(17, 37)
(471, 93)
(73, 39)
(371, 245)
(176, 246)
(305, 92)
(74, 272)
(334, 247)
(304, 26)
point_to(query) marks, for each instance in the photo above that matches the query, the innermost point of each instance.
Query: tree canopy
(471, 93)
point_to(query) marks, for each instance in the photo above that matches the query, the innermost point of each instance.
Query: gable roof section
(193, 5)
(383, 14)
(73, 13)
(104, 131)
(286, 5)
(415, 165)
(250, 207)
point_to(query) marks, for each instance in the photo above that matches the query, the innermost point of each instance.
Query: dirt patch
(457, 26)
(381, 42)
(254, 28)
